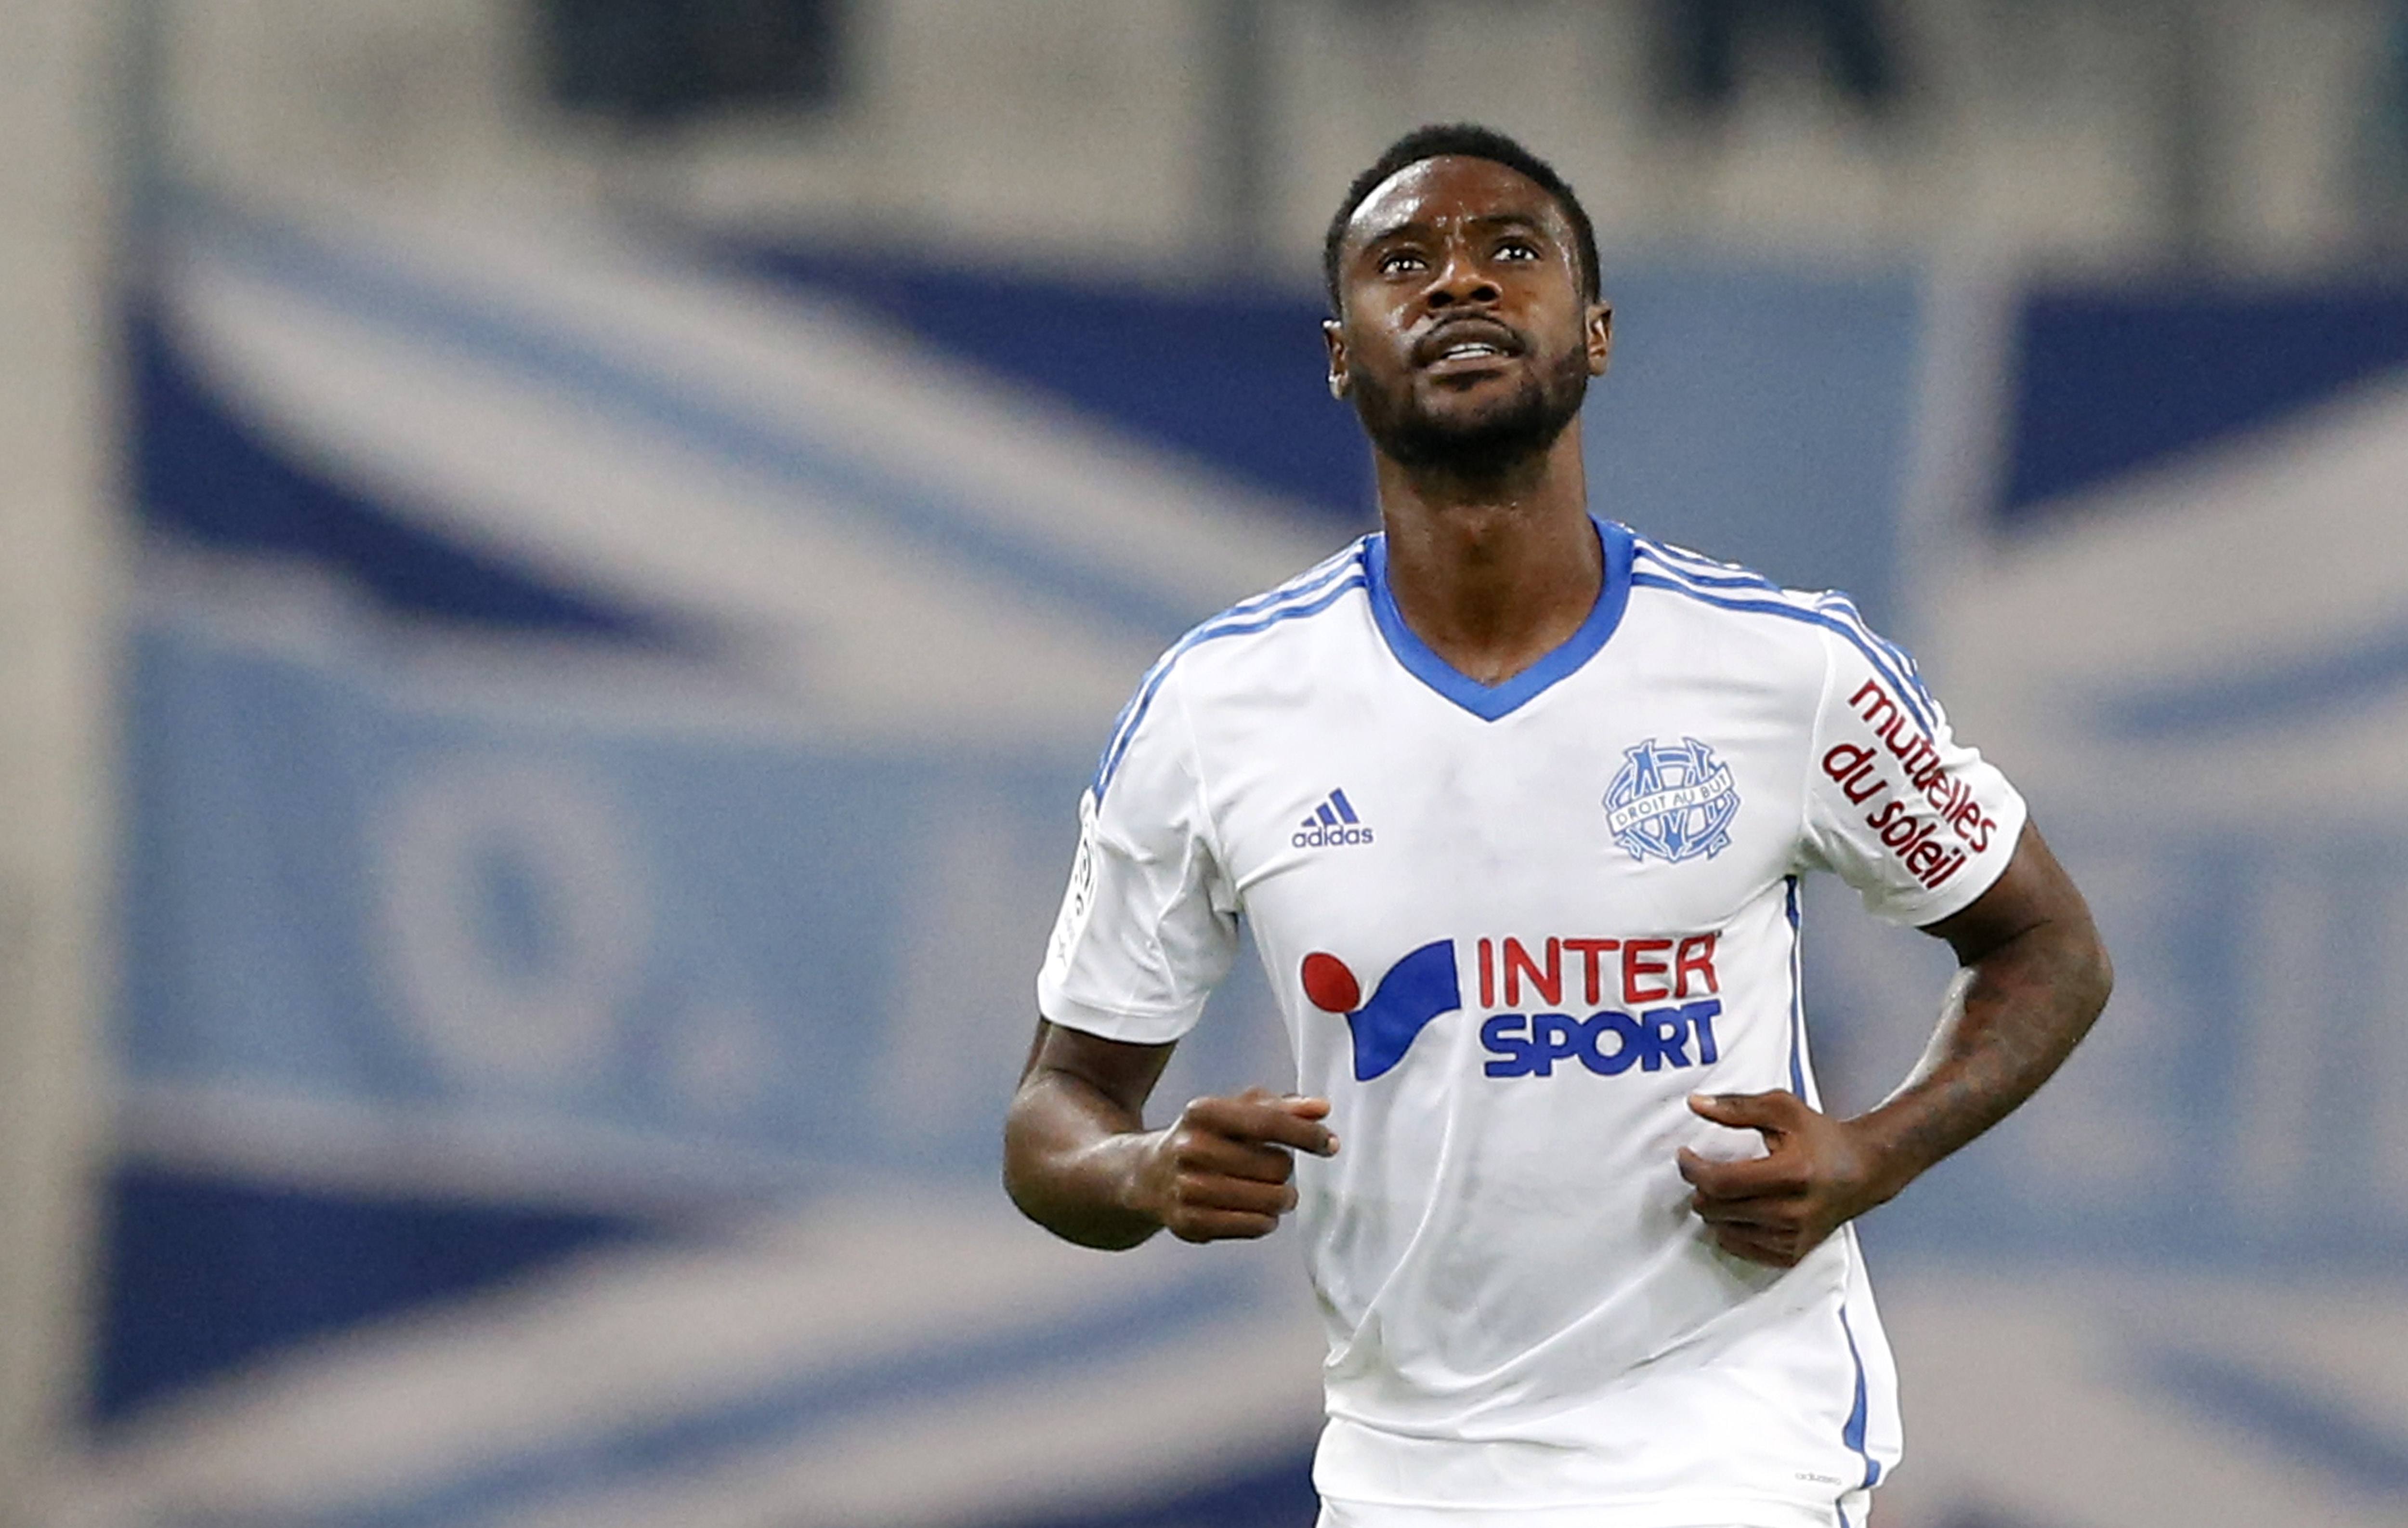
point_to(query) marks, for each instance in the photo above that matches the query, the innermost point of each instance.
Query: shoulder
(1693, 579)
(1275, 615)
(1236, 649)
(1822, 626)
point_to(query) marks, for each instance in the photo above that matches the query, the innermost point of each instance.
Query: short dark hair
(1472, 141)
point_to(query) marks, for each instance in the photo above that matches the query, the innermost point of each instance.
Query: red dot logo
(1329, 986)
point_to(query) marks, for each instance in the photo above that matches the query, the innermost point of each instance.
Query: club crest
(1671, 802)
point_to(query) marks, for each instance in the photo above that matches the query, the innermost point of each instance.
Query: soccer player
(1517, 801)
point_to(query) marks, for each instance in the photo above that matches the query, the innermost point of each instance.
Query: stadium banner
(2159, 577)
(603, 730)
(603, 741)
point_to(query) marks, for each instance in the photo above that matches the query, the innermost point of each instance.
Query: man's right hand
(1222, 1170)
(1079, 1160)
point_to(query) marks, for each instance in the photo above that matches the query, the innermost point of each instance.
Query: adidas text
(1317, 836)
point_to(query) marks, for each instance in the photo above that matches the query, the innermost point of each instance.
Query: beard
(1487, 444)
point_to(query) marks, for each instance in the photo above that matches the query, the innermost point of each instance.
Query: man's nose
(1460, 279)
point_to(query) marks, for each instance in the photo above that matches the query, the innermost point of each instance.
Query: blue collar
(1490, 701)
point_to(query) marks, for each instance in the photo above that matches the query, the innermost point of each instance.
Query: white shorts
(1849, 1513)
(1407, 1517)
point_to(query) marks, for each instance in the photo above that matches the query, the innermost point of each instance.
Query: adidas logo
(1333, 822)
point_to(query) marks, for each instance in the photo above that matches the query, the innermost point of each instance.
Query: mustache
(1470, 329)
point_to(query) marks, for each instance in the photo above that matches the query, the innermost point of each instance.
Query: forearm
(2010, 1017)
(1071, 1161)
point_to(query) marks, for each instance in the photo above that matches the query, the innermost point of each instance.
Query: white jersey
(1511, 930)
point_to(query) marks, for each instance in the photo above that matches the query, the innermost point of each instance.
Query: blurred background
(563, 563)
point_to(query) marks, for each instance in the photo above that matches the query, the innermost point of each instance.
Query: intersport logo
(1650, 1003)
(1415, 990)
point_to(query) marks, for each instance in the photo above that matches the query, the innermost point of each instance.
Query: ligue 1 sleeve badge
(1671, 802)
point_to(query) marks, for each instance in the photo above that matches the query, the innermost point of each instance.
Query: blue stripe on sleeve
(1704, 570)
(1879, 653)
(1309, 595)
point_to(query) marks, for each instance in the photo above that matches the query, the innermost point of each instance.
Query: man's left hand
(1776, 1208)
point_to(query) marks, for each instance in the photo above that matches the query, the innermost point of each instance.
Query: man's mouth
(1467, 341)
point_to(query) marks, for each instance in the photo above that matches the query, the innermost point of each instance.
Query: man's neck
(1493, 572)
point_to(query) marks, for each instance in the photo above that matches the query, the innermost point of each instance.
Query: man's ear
(1341, 378)
(1600, 337)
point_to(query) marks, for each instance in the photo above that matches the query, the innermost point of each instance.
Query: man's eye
(1396, 260)
(1517, 249)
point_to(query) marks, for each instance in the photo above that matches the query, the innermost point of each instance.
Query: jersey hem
(1114, 1024)
(1959, 898)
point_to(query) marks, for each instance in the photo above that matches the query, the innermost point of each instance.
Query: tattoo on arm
(2034, 978)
